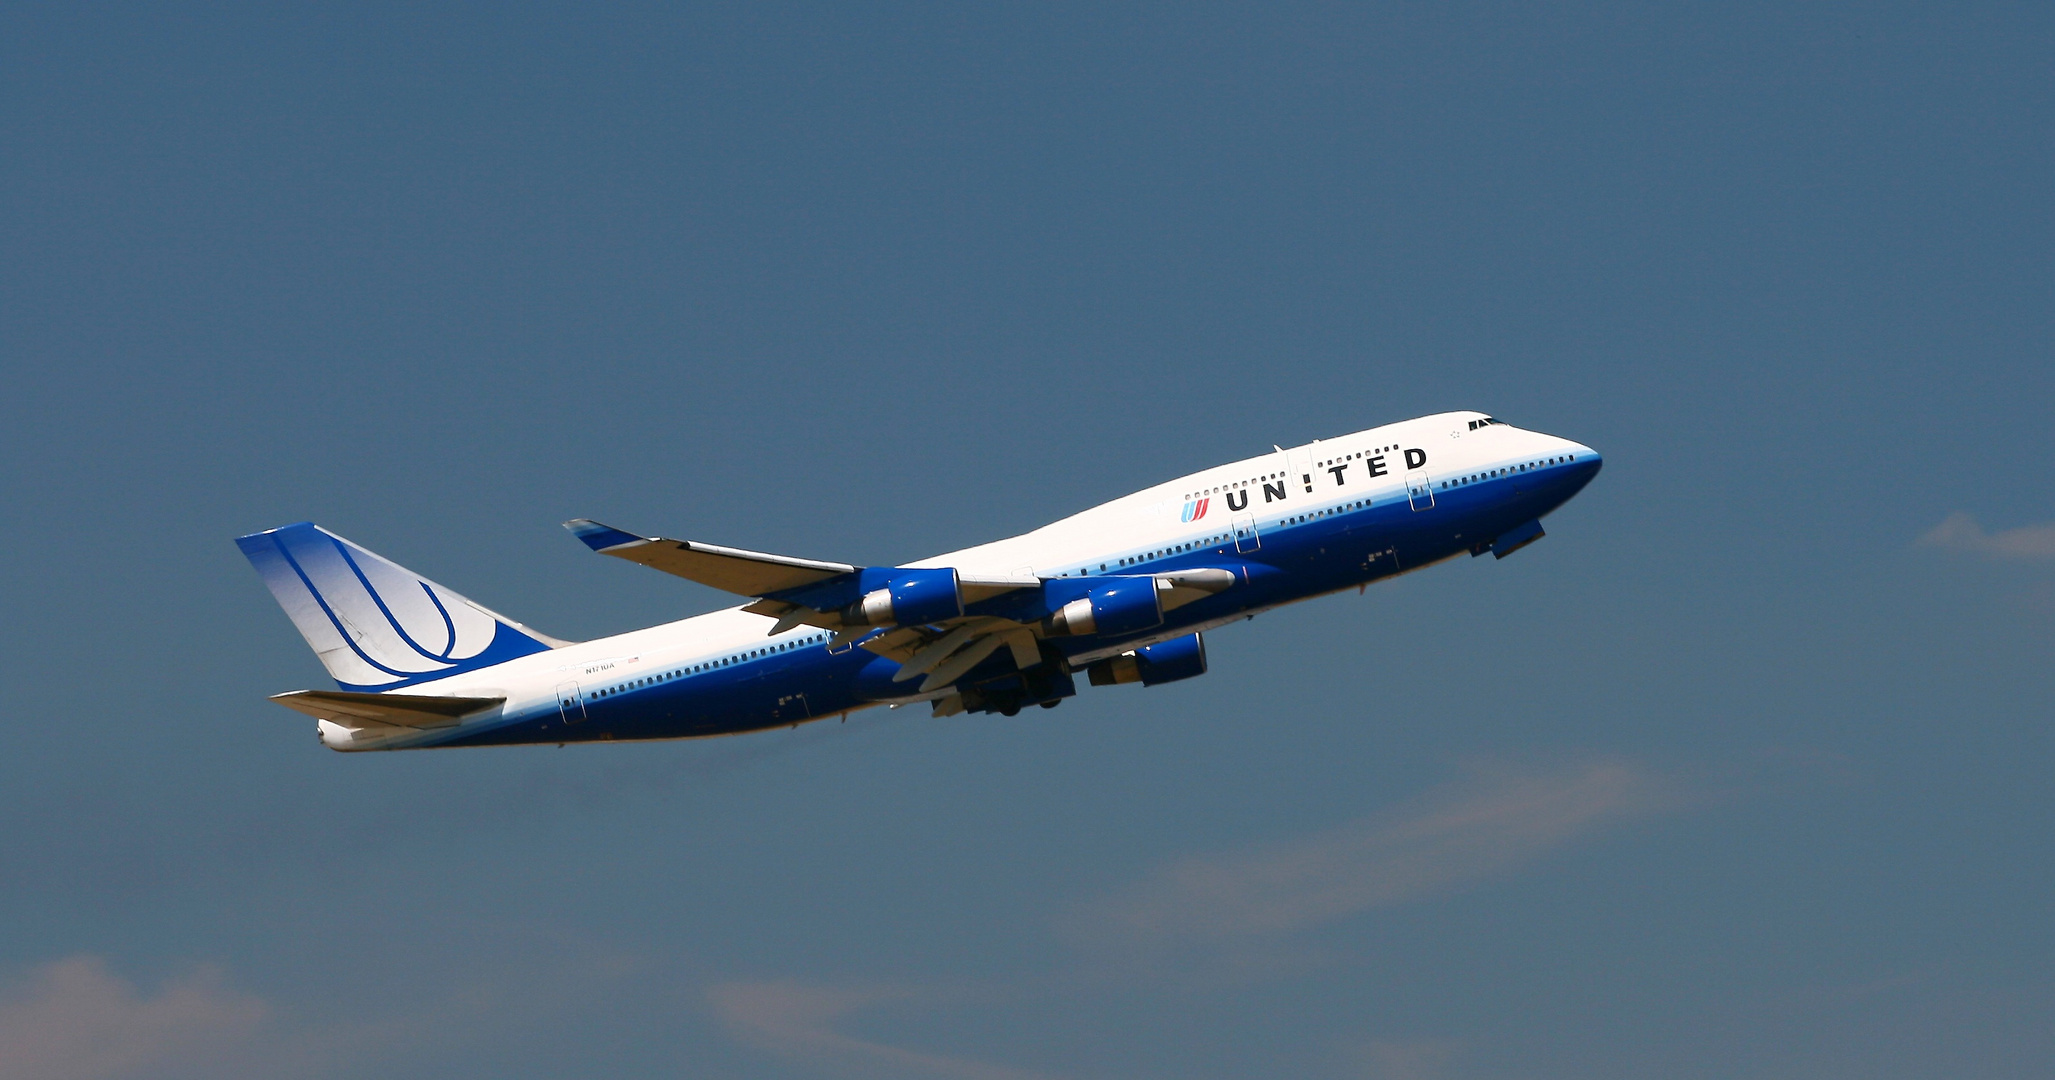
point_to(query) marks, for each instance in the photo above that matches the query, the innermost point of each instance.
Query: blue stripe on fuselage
(1323, 553)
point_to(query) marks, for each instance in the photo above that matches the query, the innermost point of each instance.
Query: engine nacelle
(911, 598)
(1124, 607)
(1153, 665)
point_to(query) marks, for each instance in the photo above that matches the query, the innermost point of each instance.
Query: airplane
(1123, 593)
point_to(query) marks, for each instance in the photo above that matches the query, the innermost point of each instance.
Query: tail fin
(374, 624)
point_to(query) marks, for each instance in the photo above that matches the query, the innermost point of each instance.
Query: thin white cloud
(1455, 838)
(1395, 1059)
(1237, 914)
(797, 1020)
(75, 1020)
(1960, 532)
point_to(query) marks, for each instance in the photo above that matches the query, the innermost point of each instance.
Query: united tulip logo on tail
(1195, 509)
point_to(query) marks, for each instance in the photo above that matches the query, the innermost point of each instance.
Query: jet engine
(1153, 665)
(911, 598)
(1124, 607)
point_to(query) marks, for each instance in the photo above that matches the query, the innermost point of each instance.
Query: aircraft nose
(1584, 464)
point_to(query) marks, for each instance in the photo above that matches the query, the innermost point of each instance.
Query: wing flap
(977, 588)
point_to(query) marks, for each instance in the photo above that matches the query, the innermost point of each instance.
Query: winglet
(601, 537)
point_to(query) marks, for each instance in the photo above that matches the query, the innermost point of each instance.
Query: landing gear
(1044, 684)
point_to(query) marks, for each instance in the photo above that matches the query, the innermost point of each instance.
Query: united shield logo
(1195, 509)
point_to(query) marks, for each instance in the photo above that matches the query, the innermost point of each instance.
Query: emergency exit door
(1299, 470)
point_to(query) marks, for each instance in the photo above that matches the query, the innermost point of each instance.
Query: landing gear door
(1420, 491)
(1245, 537)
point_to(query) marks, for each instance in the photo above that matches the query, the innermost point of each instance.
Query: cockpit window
(1486, 422)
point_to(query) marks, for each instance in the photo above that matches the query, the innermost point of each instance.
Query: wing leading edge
(935, 622)
(745, 573)
(760, 573)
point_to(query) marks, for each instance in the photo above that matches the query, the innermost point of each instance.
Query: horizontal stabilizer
(358, 711)
(745, 573)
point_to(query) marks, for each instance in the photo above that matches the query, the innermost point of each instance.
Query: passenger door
(1246, 538)
(1419, 491)
(570, 703)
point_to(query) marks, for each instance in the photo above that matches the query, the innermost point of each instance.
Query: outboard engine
(1128, 606)
(911, 598)
(1153, 665)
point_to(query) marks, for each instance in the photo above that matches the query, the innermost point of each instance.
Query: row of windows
(1327, 512)
(1172, 550)
(1218, 488)
(1358, 454)
(726, 661)
(1209, 541)
(1508, 470)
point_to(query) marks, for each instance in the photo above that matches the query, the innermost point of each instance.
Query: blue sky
(1742, 772)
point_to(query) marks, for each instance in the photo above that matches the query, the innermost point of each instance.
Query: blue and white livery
(1121, 592)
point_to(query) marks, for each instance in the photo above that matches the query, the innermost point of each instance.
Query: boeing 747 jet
(1120, 593)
